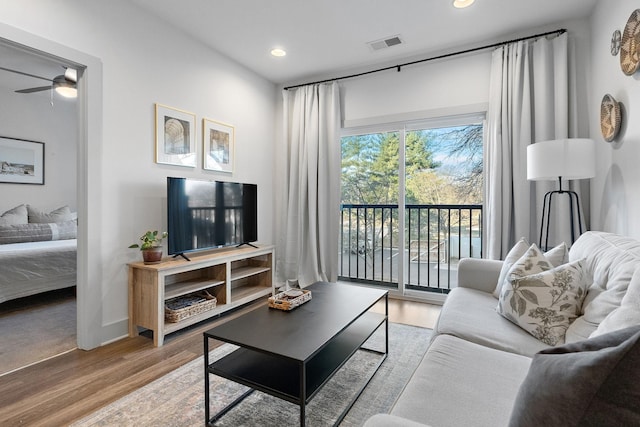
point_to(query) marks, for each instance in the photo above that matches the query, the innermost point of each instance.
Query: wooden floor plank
(71, 386)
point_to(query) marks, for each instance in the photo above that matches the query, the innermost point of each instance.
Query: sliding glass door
(411, 204)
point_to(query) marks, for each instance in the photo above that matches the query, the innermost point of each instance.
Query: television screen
(210, 214)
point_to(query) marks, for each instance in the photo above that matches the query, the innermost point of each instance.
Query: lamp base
(574, 206)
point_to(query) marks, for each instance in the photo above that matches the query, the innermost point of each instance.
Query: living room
(134, 60)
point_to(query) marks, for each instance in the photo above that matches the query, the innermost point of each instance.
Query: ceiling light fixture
(64, 87)
(461, 4)
(278, 52)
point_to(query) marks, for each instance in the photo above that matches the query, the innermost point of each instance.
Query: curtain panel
(308, 185)
(531, 98)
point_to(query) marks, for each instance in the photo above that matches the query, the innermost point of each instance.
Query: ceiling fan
(64, 84)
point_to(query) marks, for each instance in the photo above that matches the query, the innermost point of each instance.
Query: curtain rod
(446, 55)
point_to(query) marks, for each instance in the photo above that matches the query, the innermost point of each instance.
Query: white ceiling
(325, 37)
(329, 36)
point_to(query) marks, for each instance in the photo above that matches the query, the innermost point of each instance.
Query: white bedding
(35, 267)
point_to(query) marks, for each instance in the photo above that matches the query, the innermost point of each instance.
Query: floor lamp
(568, 159)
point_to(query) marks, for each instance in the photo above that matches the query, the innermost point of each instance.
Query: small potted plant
(151, 246)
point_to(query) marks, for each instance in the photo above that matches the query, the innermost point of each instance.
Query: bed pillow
(595, 382)
(59, 215)
(556, 256)
(543, 300)
(17, 215)
(22, 233)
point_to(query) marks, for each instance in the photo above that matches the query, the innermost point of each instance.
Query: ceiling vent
(385, 43)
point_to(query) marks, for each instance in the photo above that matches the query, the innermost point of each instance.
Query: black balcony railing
(436, 237)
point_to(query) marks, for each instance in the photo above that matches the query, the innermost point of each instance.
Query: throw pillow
(628, 314)
(545, 302)
(514, 255)
(17, 215)
(59, 215)
(595, 382)
(556, 256)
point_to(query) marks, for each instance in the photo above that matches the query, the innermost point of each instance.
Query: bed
(38, 253)
(34, 267)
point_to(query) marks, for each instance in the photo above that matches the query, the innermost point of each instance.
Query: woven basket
(283, 302)
(183, 307)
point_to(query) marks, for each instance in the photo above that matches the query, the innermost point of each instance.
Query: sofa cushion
(610, 260)
(15, 216)
(456, 374)
(471, 314)
(591, 383)
(556, 256)
(545, 304)
(628, 314)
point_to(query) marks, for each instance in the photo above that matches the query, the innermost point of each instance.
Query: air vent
(385, 43)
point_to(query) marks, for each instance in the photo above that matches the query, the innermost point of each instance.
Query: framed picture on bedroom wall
(175, 136)
(218, 140)
(21, 161)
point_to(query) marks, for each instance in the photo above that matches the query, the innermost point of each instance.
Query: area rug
(177, 398)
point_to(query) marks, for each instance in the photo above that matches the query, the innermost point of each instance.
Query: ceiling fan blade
(34, 89)
(24, 74)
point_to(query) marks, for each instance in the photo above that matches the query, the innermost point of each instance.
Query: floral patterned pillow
(546, 301)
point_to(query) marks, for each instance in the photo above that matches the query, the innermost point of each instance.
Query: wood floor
(63, 389)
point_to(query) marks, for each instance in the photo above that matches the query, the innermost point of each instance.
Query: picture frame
(218, 146)
(21, 161)
(175, 136)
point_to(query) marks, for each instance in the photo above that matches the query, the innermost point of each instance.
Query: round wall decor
(629, 58)
(610, 117)
(615, 42)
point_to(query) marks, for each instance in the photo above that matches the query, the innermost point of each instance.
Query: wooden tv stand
(235, 276)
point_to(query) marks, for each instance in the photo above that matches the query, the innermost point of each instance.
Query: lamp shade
(571, 158)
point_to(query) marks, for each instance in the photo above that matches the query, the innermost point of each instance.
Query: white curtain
(532, 99)
(308, 185)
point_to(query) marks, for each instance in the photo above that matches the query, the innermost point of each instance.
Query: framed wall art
(218, 140)
(21, 161)
(175, 136)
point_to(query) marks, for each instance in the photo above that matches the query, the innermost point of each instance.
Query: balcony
(435, 238)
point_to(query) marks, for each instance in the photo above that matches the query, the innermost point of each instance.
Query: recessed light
(461, 4)
(278, 52)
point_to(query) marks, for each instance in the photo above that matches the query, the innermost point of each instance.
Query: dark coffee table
(291, 355)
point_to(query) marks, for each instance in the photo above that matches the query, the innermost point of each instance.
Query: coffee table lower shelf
(292, 380)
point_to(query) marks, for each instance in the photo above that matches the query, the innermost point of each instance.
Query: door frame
(89, 178)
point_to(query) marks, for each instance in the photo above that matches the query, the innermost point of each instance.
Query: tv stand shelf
(235, 276)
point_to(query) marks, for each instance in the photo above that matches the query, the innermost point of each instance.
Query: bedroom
(38, 261)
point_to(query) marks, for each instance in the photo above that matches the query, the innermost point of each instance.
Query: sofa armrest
(480, 274)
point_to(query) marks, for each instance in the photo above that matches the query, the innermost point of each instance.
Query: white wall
(146, 62)
(455, 85)
(32, 117)
(615, 200)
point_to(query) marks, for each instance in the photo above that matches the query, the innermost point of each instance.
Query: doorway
(89, 172)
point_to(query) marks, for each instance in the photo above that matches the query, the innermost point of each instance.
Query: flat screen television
(210, 214)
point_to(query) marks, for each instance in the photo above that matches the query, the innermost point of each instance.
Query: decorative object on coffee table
(288, 300)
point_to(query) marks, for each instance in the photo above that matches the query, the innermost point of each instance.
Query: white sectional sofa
(478, 360)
